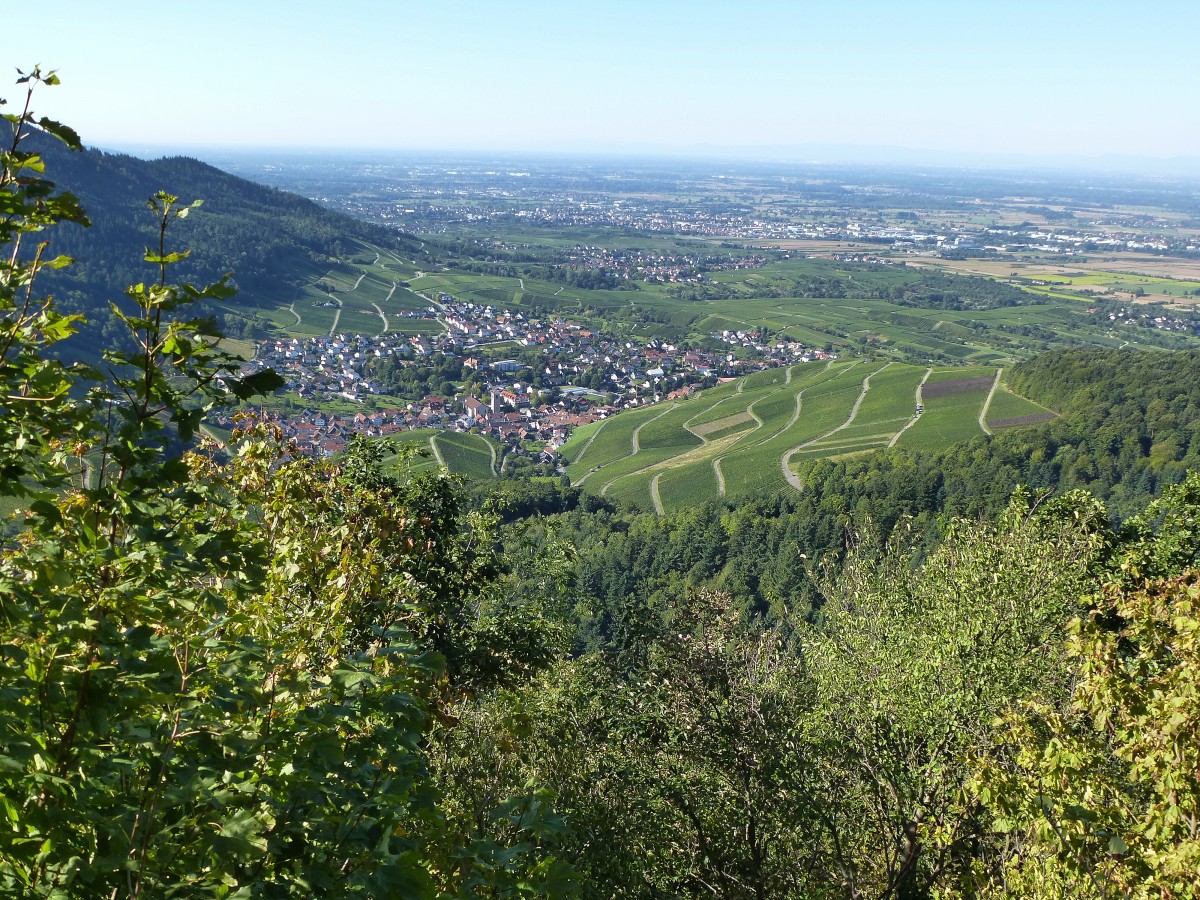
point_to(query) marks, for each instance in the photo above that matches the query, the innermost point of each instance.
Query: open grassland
(756, 435)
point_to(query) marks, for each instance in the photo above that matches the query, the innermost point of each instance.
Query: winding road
(988, 402)
(720, 476)
(792, 478)
(386, 326)
(637, 447)
(492, 449)
(336, 316)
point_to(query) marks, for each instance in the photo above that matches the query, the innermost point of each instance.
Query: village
(525, 382)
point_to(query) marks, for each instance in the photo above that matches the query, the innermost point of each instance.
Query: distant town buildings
(510, 408)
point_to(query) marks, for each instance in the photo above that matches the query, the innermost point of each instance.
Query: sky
(971, 79)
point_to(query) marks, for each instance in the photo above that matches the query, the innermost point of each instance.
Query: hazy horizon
(853, 157)
(1015, 84)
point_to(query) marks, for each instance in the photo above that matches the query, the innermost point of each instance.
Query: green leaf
(260, 383)
(63, 132)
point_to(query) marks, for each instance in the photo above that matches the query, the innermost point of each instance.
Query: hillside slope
(271, 241)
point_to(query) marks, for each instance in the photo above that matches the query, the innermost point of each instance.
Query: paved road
(386, 326)
(336, 316)
(658, 507)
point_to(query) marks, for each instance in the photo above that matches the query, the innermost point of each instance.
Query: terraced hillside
(472, 455)
(365, 293)
(756, 434)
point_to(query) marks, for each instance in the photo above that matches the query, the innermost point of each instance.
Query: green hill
(279, 246)
(758, 435)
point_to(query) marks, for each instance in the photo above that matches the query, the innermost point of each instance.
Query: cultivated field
(1128, 276)
(366, 293)
(471, 455)
(757, 435)
(362, 294)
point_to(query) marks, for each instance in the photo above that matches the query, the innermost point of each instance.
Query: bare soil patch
(932, 390)
(721, 424)
(1021, 420)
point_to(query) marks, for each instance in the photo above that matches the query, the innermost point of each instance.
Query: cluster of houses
(1106, 233)
(1185, 322)
(513, 419)
(567, 375)
(779, 353)
(656, 266)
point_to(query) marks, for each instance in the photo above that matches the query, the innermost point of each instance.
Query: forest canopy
(226, 671)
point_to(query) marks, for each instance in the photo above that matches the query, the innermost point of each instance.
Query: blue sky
(1027, 79)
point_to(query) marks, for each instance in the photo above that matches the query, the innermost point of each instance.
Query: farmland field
(364, 294)
(1009, 410)
(370, 292)
(463, 454)
(739, 438)
(953, 403)
(469, 454)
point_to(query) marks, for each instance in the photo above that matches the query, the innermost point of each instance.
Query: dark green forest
(1129, 427)
(269, 241)
(229, 671)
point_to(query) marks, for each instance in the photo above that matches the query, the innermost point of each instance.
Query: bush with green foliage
(219, 667)
(1098, 795)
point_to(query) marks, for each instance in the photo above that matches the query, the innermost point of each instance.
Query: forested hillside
(270, 240)
(1129, 428)
(230, 671)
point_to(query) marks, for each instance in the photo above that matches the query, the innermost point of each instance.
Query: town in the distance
(579, 376)
(568, 290)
